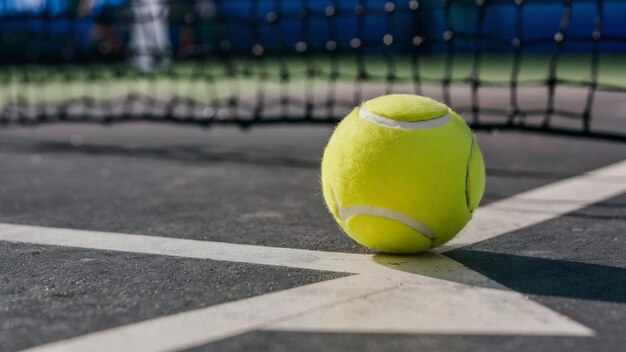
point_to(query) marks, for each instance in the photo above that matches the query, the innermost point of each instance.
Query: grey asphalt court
(259, 189)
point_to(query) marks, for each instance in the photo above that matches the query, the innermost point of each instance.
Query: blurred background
(506, 64)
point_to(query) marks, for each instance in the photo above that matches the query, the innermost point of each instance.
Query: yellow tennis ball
(402, 174)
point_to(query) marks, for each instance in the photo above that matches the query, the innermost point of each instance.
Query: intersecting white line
(541, 204)
(386, 295)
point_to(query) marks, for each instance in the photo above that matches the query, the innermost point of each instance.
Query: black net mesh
(553, 66)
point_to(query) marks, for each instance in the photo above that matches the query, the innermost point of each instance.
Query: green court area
(223, 78)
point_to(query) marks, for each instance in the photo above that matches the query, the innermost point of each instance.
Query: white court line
(495, 219)
(472, 303)
(541, 204)
(184, 330)
(287, 257)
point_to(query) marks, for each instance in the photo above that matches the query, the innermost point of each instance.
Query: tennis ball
(402, 174)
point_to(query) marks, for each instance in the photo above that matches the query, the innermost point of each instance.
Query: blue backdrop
(247, 24)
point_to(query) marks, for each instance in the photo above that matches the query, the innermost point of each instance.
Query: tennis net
(550, 66)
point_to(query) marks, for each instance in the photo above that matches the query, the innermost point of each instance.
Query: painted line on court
(333, 306)
(360, 303)
(470, 302)
(510, 214)
(287, 257)
(541, 204)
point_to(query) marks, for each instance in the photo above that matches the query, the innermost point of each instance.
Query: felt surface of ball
(402, 174)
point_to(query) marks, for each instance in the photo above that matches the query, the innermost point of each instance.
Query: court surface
(155, 237)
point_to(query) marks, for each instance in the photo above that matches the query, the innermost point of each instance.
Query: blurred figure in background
(149, 41)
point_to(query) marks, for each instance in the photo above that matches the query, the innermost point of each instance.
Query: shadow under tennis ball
(551, 277)
(529, 275)
(434, 265)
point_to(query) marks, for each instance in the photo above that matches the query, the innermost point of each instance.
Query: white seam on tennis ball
(467, 173)
(417, 226)
(411, 125)
(345, 213)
